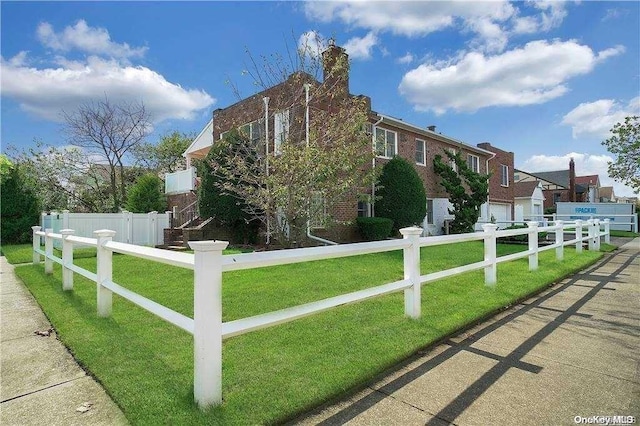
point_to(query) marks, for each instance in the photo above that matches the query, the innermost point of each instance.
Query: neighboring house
(607, 195)
(529, 200)
(627, 200)
(558, 185)
(591, 184)
(269, 120)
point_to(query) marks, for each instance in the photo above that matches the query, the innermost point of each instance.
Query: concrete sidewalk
(574, 350)
(40, 382)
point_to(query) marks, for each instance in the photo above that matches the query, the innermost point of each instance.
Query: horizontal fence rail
(208, 264)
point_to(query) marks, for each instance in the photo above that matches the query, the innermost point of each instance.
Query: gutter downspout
(266, 154)
(307, 86)
(493, 155)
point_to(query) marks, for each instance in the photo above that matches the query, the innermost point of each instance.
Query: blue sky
(546, 80)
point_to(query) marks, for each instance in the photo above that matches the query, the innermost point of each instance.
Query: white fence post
(491, 271)
(48, 250)
(592, 243)
(207, 321)
(152, 218)
(533, 245)
(635, 222)
(104, 272)
(579, 236)
(411, 254)
(607, 229)
(559, 239)
(36, 244)
(596, 229)
(67, 259)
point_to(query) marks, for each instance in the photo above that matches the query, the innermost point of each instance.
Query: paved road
(574, 350)
(40, 382)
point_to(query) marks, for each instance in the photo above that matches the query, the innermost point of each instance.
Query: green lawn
(272, 375)
(615, 233)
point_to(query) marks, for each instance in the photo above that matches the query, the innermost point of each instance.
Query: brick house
(269, 118)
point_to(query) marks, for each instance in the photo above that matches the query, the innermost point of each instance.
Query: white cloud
(610, 52)
(595, 119)
(360, 47)
(46, 91)
(82, 37)
(489, 22)
(406, 59)
(533, 74)
(551, 15)
(586, 164)
(312, 43)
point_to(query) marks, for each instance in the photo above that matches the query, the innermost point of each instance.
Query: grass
(272, 375)
(629, 234)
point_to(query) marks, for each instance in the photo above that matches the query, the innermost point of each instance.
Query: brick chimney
(335, 68)
(572, 180)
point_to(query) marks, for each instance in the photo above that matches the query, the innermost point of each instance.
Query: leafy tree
(401, 195)
(19, 206)
(166, 155)
(108, 132)
(213, 201)
(467, 191)
(146, 195)
(625, 145)
(67, 178)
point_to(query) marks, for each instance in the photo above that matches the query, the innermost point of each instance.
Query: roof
(399, 123)
(588, 180)
(524, 189)
(203, 140)
(559, 177)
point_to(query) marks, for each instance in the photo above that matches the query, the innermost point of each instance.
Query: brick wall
(497, 192)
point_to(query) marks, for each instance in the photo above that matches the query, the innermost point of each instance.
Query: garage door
(501, 212)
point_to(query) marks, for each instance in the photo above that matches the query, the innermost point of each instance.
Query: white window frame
(424, 152)
(386, 142)
(223, 134)
(281, 123)
(504, 173)
(252, 128)
(452, 163)
(473, 161)
(429, 222)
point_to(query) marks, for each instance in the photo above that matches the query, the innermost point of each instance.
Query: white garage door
(501, 212)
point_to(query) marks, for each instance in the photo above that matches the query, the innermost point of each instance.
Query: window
(224, 135)
(421, 152)
(254, 131)
(364, 209)
(430, 212)
(504, 175)
(281, 129)
(318, 211)
(556, 197)
(385, 143)
(452, 162)
(368, 129)
(473, 162)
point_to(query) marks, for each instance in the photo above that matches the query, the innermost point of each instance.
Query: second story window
(280, 129)
(473, 162)
(504, 175)
(452, 162)
(386, 143)
(421, 152)
(254, 131)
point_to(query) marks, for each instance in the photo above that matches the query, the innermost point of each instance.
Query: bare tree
(108, 132)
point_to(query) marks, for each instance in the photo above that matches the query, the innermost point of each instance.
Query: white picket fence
(145, 229)
(208, 265)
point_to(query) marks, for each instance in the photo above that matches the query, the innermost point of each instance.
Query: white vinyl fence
(208, 265)
(146, 229)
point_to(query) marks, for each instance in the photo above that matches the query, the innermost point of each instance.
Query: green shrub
(402, 195)
(146, 195)
(20, 207)
(374, 228)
